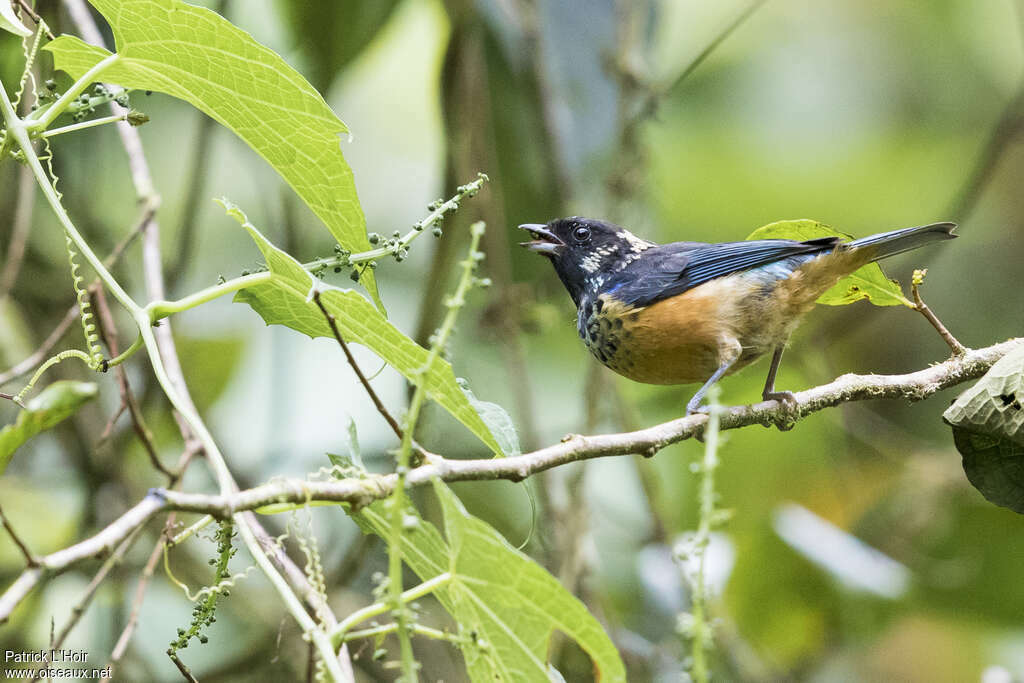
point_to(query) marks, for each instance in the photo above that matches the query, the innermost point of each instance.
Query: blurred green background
(864, 115)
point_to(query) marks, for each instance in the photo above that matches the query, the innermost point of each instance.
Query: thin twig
(713, 45)
(958, 348)
(147, 572)
(108, 333)
(133, 617)
(83, 602)
(1008, 125)
(30, 559)
(43, 352)
(196, 175)
(19, 230)
(381, 408)
(27, 8)
(183, 669)
(153, 275)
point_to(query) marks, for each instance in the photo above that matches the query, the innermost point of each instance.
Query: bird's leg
(694, 405)
(769, 393)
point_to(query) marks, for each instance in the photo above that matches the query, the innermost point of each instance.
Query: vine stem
(397, 501)
(19, 131)
(162, 309)
(418, 629)
(227, 485)
(44, 118)
(341, 631)
(700, 628)
(92, 123)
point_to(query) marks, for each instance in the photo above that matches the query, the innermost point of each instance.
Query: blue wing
(670, 269)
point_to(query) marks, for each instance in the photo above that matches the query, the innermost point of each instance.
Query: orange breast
(680, 340)
(685, 338)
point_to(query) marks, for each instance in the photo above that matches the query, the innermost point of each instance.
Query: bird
(689, 312)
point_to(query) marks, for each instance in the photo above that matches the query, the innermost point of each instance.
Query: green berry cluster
(204, 613)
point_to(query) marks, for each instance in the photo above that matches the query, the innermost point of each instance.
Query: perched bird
(690, 312)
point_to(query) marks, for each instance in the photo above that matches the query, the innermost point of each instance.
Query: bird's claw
(697, 410)
(788, 398)
(786, 420)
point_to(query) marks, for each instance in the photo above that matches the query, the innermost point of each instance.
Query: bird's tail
(887, 244)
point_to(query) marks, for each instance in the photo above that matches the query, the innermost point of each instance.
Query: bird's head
(584, 251)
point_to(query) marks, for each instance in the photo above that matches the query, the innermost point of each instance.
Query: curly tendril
(93, 350)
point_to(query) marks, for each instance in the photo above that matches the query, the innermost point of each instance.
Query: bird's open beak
(544, 242)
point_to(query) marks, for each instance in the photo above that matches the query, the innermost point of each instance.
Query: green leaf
(497, 420)
(868, 282)
(9, 21)
(196, 55)
(53, 404)
(506, 605)
(286, 299)
(988, 430)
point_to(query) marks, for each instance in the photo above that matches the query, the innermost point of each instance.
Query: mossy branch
(914, 386)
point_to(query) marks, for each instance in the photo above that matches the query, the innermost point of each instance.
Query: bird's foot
(787, 397)
(786, 419)
(695, 408)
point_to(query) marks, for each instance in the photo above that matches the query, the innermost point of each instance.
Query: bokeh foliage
(865, 116)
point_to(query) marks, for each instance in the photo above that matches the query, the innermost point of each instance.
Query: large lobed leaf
(286, 300)
(988, 430)
(55, 403)
(196, 55)
(506, 605)
(867, 282)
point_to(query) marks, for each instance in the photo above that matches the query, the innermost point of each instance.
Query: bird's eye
(581, 234)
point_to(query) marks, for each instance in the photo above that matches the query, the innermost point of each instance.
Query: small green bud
(437, 231)
(136, 118)
(373, 238)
